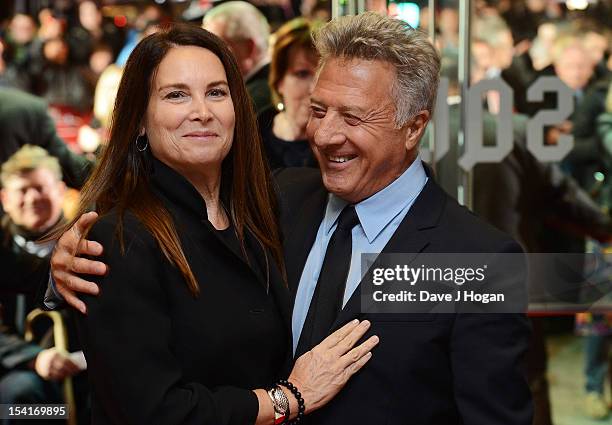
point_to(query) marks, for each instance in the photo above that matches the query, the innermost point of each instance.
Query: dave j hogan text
(432, 297)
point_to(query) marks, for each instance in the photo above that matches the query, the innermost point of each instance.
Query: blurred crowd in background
(61, 64)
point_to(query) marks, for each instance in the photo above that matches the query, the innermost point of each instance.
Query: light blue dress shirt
(379, 216)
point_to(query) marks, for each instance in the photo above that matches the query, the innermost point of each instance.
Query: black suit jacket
(22, 275)
(158, 355)
(427, 369)
(259, 90)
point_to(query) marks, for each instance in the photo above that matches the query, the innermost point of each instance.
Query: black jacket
(259, 90)
(156, 354)
(283, 153)
(427, 369)
(24, 120)
(22, 276)
(23, 270)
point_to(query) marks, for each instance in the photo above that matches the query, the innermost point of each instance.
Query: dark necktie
(328, 295)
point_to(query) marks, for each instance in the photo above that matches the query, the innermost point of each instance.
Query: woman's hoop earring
(140, 145)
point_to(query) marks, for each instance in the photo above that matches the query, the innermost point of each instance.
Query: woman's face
(190, 116)
(297, 84)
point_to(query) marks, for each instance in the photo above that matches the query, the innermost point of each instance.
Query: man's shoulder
(21, 102)
(463, 231)
(301, 195)
(453, 227)
(296, 182)
(298, 176)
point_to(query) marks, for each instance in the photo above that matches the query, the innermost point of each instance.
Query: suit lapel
(411, 237)
(280, 293)
(235, 249)
(271, 278)
(300, 235)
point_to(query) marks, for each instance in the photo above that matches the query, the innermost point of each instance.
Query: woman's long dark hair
(120, 180)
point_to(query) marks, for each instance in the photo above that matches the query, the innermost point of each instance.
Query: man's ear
(62, 188)
(415, 129)
(250, 49)
(3, 197)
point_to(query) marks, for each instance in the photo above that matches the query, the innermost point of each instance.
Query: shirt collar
(263, 62)
(377, 211)
(493, 72)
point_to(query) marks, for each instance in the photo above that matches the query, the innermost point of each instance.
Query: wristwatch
(280, 402)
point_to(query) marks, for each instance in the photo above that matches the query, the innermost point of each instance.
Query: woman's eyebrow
(185, 86)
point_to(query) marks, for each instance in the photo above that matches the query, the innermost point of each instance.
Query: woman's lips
(201, 134)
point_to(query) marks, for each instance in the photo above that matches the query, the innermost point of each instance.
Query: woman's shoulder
(113, 225)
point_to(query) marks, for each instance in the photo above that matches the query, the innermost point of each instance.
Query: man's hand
(53, 365)
(66, 263)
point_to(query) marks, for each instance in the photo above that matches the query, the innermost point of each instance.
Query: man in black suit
(372, 100)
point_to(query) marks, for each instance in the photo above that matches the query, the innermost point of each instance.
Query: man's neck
(33, 234)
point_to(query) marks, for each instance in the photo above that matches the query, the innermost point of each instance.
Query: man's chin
(36, 225)
(338, 184)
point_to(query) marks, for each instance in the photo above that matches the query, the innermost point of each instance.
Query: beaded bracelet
(298, 397)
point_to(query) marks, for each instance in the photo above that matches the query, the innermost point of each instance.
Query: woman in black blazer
(192, 322)
(293, 66)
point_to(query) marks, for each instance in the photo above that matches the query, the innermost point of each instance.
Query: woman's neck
(209, 188)
(216, 213)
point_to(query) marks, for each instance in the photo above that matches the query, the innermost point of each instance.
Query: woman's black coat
(158, 355)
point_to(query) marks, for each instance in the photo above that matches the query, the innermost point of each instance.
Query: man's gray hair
(489, 30)
(371, 36)
(243, 22)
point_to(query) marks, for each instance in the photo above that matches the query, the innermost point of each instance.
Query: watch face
(280, 403)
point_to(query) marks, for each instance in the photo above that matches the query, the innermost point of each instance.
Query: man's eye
(352, 120)
(175, 94)
(302, 74)
(317, 112)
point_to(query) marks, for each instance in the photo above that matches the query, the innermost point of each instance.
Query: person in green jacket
(24, 120)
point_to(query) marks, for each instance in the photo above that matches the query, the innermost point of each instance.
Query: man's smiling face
(352, 129)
